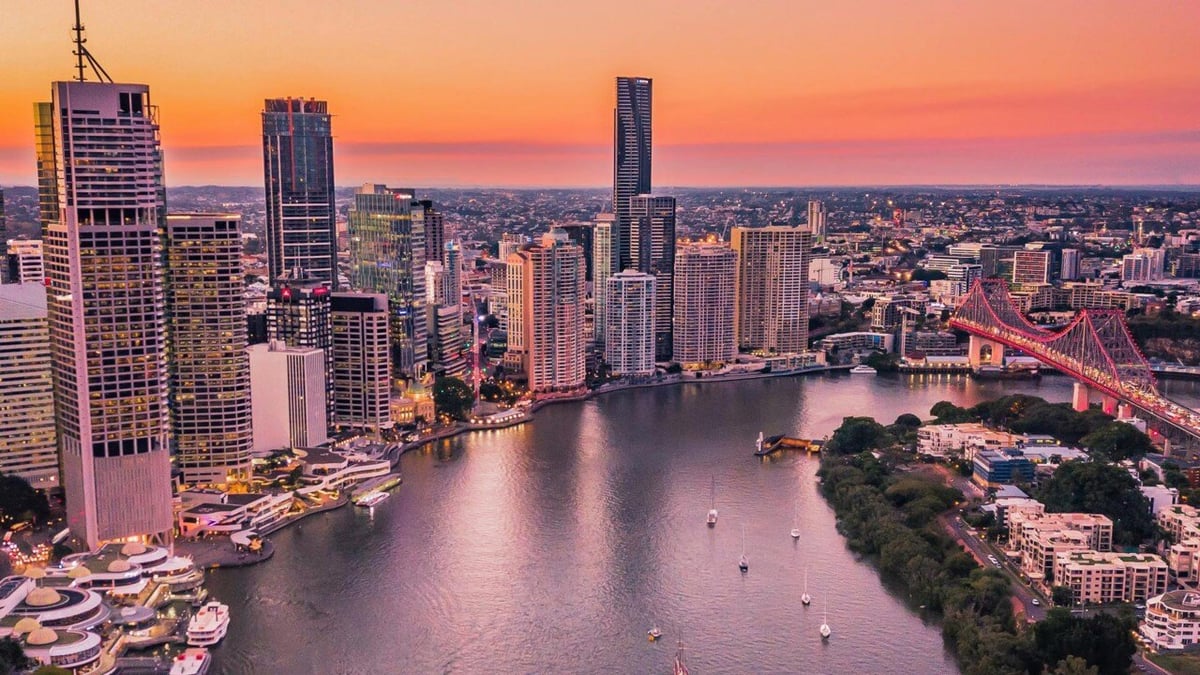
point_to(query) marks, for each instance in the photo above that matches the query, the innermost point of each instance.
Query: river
(554, 546)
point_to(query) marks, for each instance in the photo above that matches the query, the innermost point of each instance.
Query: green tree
(1103, 641)
(453, 397)
(908, 420)
(19, 501)
(1074, 665)
(1116, 441)
(858, 434)
(51, 670)
(12, 657)
(1091, 487)
(1061, 596)
(946, 412)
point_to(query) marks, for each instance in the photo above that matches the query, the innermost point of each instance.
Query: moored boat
(193, 661)
(209, 625)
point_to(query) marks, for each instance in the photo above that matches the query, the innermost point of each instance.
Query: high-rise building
(546, 294)
(210, 371)
(287, 387)
(104, 206)
(583, 234)
(362, 381)
(631, 160)
(602, 252)
(298, 315)
(704, 291)
(816, 219)
(1070, 264)
(387, 255)
(964, 276)
(1144, 264)
(4, 273)
(298, 171)
(510, 243)
(445, 319)
(652, 248)
(629, 348)
(432, 223)
(27, 437)
(1031, 267)
(452, 264)
(25, 262)
(771, 288)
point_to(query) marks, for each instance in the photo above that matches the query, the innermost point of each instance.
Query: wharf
(379, 484)
(783, 442)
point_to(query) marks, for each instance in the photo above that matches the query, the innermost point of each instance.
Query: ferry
(863, 370)
(209, 625)
(370, 499)
(193, 661)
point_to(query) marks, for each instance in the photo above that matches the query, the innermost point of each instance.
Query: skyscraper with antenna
(103, 206)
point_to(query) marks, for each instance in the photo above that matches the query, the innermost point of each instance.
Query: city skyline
(1021, 93)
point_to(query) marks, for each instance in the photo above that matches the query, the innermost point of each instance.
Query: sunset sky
(746, 92)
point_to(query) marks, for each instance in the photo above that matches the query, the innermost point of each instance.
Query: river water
(555, 546)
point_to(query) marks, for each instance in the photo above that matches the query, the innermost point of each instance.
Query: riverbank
(214, 552)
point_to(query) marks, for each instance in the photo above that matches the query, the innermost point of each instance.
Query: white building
(287, 386)
(824, 272)
(1102, 578)
(704, 307)
(27, 436)
(25, 264)
(629, 347)
(816, 219)
(1172, 620)
(547, 286)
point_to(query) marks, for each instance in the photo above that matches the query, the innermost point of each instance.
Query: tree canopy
(1116, 441)
(1103, 641)
(453, 397)
(1092, 487)
(858, 434)
(19, 501)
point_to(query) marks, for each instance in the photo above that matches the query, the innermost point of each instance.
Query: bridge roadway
(1147, 400)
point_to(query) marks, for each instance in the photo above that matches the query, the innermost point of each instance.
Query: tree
(858, 434)
(1061, 596)
(908, 420)
(51, 670)
(1116, 441)
(923, 274)
(12, 656)
(946, 412)
(883, 361)
(1091, 487)
(19, 501)
(1103, 641)
(453, 397)
(1074, 665)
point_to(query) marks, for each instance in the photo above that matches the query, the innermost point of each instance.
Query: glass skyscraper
(298, 171)
(631, 161)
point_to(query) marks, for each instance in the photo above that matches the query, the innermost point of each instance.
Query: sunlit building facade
(631, 161)
(704, 284)
(629, 349)
(771, 288)
(361, 369)
(546, 297)
(652, 249)
(27, 437)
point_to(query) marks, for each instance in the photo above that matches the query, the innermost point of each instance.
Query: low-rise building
(861, 341)
(1180, 521)
(1097, 578)
(1172, 620)
(964, 440)
(992, 469)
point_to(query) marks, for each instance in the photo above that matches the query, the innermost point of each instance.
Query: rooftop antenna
(81, 52)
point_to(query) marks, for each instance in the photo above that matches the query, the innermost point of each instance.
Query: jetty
(767, 446)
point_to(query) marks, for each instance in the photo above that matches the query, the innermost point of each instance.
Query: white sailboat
(796, 523)
(805, 598)
(744, 562)
(712, 509)
(826, 631)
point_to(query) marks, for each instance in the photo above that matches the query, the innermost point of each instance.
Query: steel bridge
(1095, 348)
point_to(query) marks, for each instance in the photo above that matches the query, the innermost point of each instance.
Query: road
(981, 550)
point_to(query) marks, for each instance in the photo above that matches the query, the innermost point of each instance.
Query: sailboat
(796, 523)
(744, 562)
(680, 667)
(805, 598)
(712, 509)
(826, 631)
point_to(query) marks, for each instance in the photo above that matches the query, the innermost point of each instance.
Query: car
(1036, 602)
(1140, 606)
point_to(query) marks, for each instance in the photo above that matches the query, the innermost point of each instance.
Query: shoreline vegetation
(890, 509)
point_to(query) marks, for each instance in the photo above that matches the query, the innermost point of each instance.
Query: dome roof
(119, 566)
(41, 636)
(42, 597)
(79, 572)
(26, 625)
(32, 572)
(133, 548)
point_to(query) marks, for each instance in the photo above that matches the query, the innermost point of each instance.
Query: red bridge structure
(1095, 348)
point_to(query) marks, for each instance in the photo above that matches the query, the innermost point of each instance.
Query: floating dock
(784, 442)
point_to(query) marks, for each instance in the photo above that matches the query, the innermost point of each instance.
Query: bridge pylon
(1079, 397)
(984, 352)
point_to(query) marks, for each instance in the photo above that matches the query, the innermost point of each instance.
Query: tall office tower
(1144, 264)
(452, 263)
(816, 219)
(298, 308)
(1031, 267)
(990, 258)
(25, 262)
(1070, 264)
(1157, 261)
(582, 234)
(510, 243)
(771, 294)
(104, 206)
(704, 290)
(631, 160)
(546, 294)
(27, 439)
(298, 171)
(445, 320)
(629, 349)
(433, 224)
(210, 371)
(362, 378)
(387, 255)
(287, 388)
(602, 251)
(652, 248)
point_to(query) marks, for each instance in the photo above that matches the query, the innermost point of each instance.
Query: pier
(773, 444)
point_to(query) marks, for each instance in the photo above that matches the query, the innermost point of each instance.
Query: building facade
(546, 299)
(27, 437)
(704, 305)
(287, 386)
(771, 288)
(298, 174)
(387, 255)
(602, 261)
(298, 315)
(362, 381)
(631, 161)
(652, 248)
(816, 219)
(1031, 267)
(25, 262)
(210, 370)
(1102, 578)
(102, 219)
(630, 348)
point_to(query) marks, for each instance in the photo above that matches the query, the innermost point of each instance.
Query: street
(981, 550)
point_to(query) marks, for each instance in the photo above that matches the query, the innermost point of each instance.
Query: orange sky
(747, 92)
